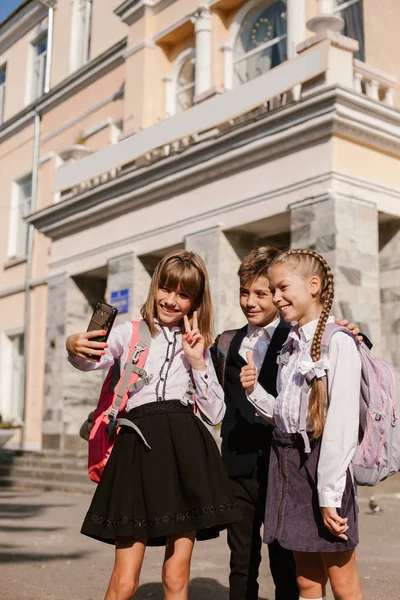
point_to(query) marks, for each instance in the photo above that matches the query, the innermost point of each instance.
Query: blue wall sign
(120, 299)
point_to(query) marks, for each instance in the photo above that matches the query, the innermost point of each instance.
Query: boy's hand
(81, 345)
(248, 374)
(351, 327)
(335, 524)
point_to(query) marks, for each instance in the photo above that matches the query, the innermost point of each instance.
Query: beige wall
(382, 41)
(60, 68)
(107, 28)
(367, 163)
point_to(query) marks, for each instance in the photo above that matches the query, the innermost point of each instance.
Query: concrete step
(45, 474)
(46, 485)
(31, 461)
(45, 470)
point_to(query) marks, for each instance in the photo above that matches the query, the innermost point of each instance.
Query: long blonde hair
(309, 263)
(185, 271)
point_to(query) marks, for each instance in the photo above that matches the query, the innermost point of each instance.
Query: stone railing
(326, 59)
(374, 83)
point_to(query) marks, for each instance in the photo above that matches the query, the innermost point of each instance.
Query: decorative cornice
(145, 44)
(93, 70)
(132, 10)
(309, 121)
(22, 20)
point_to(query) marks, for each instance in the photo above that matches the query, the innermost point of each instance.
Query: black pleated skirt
(292, 514)
(178, 486)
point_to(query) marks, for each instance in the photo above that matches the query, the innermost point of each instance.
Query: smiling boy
(246, 439)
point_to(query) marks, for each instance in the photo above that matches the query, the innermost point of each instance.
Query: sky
(7, 7)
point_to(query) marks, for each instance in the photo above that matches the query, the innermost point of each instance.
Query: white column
(202, 27)
(228, 66)
(326, 7)
(296, 22)
(169, 96)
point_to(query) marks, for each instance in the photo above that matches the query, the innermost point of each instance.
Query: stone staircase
(45, 470)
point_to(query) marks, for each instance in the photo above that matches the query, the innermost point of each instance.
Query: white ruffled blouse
(343, 368)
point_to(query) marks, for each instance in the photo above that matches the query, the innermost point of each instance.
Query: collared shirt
(257, 340)
(340, 436)
(168, 369)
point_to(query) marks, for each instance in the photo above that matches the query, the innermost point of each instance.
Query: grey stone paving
(43, 556)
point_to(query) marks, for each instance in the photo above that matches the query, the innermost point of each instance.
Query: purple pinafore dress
(292, 515)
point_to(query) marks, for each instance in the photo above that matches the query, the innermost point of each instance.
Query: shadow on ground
(200, 588)
(15, 557)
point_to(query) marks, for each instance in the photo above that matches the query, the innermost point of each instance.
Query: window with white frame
(184, 87)
(261, 42)
(20, 208)
(2, 91)
(81, 33)
(12, 380)
(352, 12)
(39, 66)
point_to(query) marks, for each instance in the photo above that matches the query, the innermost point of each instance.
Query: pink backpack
(108, 416)
(378, 453)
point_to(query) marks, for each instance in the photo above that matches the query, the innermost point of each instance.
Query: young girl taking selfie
(311, 502)
(177, 491)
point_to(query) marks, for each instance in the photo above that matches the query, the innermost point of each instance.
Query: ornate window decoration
(179, 86)
(39, 66)
(258, 40)
(352, 12)
(184, 85)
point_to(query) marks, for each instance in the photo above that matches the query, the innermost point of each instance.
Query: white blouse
(168, 370)
(340, 436)
(257, 340)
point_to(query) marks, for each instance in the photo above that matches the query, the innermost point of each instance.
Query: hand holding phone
(91, 345)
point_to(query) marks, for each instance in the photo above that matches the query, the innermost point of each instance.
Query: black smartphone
(103, 317)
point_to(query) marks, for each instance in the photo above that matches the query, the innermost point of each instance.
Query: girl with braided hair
(311, 503)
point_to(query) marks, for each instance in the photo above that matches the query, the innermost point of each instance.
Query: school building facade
(131, 129)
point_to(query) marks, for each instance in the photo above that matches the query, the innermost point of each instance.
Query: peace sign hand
(193, 344)
(248, 374)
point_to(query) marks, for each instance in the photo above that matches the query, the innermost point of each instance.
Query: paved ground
(44, 557)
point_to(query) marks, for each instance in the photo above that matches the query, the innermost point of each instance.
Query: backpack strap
(140, 343)
(223, 343)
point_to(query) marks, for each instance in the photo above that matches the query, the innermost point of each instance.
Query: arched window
(184, 86)
(260, 44)
(352, 13)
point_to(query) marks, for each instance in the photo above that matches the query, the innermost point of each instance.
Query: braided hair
(309, 263)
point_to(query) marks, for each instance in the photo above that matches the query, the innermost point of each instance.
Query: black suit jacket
(246, 438)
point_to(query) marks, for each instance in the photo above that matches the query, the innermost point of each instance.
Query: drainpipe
(29, 257)
(50, 4)
(50, 26)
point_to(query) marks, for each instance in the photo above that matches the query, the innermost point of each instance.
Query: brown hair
(186, 271)
(257, 263)
(309, 263)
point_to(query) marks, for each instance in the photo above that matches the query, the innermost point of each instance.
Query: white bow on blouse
(318, 368)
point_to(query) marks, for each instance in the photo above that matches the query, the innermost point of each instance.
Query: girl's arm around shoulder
(210, 395)
(118, 341)
(340, 436)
